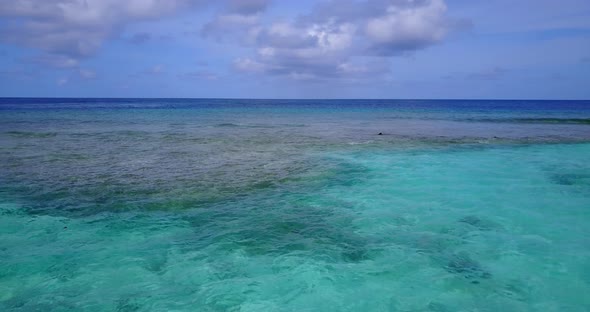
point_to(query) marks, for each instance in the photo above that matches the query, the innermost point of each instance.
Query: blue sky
(497, 49)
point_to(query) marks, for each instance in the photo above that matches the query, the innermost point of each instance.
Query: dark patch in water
(270, 228)
(276, 238)
(233, 125)
(479, 223)
(230, 125)
(37, 299)
(127, 305)
(515, 290)
(31, 135)
(463, 264)
(63, 269)
(156, 262)
(355, 254)
(437, 307)
(571, 179)
(349, 174)
(472, 220)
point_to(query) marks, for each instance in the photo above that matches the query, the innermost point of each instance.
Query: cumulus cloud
(304, 53)
(347, 38)
(238, 19)
(232, 26)
(76, 28)
(247, 7)
(338, 39)
(407, 26)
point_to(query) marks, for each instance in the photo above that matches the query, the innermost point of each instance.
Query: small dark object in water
(65, 227)
(380, 133)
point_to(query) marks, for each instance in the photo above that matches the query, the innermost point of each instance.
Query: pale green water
(291, 211)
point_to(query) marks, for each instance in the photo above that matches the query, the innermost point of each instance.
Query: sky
(395, 49)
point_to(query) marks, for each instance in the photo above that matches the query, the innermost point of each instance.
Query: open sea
(294, 205)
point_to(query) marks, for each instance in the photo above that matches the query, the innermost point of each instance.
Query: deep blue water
(489, 106)
(294, 205)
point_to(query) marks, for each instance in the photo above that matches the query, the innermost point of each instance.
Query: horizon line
(298, 99)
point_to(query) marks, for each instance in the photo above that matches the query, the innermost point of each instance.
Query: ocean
(294, 205)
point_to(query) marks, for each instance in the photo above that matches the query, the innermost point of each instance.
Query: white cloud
(77, 28)
(247, 7)
(233, 26)
(408, 27)
(239, 20)
(339, 39)
(347, 39)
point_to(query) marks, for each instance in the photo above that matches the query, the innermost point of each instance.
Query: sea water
(284, 205)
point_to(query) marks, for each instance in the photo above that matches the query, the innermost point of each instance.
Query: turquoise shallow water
(297, 206)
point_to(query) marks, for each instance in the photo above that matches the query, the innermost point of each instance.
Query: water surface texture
(284, 205)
